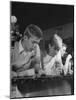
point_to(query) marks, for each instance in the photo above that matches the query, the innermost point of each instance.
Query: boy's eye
(33, 41)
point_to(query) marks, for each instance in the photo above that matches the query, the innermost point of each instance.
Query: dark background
(50, 18)
(45, 16)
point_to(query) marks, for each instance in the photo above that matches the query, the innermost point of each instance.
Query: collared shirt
(26, 54)
(21, 49)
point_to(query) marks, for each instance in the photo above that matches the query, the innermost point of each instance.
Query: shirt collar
(20, 47)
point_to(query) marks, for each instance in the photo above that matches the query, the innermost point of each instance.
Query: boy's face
(34, 40)
(31, 41)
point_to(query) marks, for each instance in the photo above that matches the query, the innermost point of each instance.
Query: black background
(45, 16)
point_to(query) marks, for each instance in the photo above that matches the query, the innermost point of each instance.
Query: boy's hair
(33, 30)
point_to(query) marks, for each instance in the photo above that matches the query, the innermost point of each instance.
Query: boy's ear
(25, 37)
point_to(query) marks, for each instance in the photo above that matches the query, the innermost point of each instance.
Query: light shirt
(26, 54)
(50, 66)
(21, 49)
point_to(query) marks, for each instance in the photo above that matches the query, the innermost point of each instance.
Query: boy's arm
(22, 63)
(24, 66)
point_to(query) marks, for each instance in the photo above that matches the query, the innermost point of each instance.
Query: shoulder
(16, 44)
(16, 47)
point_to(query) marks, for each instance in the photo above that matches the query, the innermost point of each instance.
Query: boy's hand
(69, 57)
